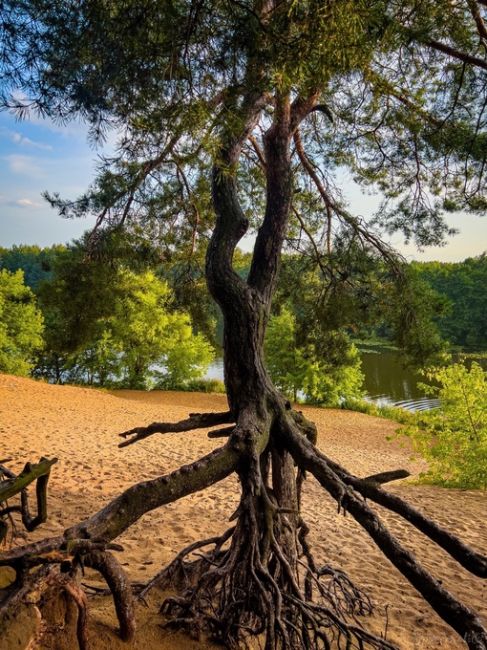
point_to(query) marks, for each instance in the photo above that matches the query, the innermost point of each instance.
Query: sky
(38, 155)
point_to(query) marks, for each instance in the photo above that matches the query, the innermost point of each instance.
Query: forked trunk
(260, 578)
(268, 516)
(249, 388)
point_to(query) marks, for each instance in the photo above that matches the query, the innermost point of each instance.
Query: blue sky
(37, 155)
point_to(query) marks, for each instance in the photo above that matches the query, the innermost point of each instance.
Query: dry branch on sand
(13, 485)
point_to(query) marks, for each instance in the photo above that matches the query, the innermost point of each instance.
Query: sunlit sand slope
(80, 426)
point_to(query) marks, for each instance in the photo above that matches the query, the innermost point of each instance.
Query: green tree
(355, 292)
(463, 286)
(258, 106)
(453, 437)
(36, 263)
(298, 368)
(147, 333)
(114, 327)
(21, 324)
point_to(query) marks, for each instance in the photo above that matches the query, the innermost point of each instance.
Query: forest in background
(96, 308)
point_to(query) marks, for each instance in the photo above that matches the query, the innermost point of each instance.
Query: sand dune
(80, 426)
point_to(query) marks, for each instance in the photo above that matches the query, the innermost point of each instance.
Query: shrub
(194, 386)
(453, 437)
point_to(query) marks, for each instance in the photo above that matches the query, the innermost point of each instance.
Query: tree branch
(267, 249)
(324, 269)
(457, 54)
(231, 223)
(303, 106)
(258, 151)
(195, 421)
(479, 21)
(30, 473)
(384, 249)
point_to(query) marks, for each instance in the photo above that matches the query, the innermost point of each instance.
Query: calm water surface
(387, 382)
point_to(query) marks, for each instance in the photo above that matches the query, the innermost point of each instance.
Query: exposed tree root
(37, 584)
(72, 589)
(474, 562)
(180, 571)
(120, 588)
(15, 595)
(259, 579)
(195, 421)
(249, 589)
(460, 617)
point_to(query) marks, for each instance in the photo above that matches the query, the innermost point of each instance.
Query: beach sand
(79, 426)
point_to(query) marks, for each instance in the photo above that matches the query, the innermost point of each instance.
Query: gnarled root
(76, 554)
(247, 586)
(74, 591)
(259, 579)
(349, 491)
(119, 586)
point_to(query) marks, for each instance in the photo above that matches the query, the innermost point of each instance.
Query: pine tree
(241, 114)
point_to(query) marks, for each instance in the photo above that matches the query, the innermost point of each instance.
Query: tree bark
(260, 578)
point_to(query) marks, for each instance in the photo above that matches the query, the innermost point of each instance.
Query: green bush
(194, 386)
(21, 324)
(453, 437)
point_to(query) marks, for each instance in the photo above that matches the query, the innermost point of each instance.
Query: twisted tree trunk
(258, 579)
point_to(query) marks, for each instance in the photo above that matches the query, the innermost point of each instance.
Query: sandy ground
(79, 426)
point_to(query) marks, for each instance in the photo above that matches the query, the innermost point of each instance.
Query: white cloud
(24, 166)
(23, 202)
(23, 141)
(27, 203)
(17, 138)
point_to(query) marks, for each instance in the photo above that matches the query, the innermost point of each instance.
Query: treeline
(464, 288)
(70, 317)
(123, 313)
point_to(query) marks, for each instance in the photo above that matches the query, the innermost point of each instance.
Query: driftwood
(13, 485)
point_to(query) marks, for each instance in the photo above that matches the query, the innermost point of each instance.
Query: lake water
(387, 382)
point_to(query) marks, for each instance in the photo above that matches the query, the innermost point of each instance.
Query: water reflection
(387, 381)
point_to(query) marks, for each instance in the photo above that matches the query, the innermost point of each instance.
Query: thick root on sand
(259, 580)
(246, 586)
